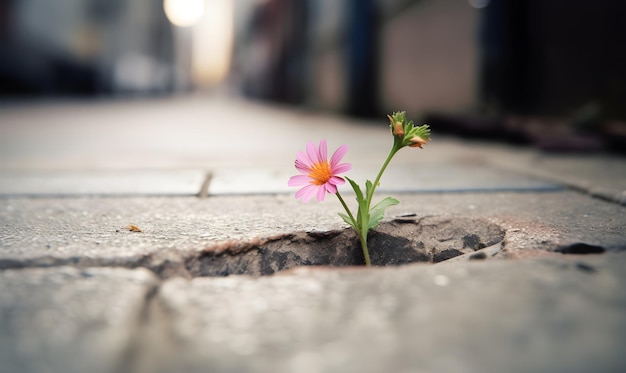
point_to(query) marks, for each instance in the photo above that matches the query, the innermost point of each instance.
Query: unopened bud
(417, 141)
(397, 128)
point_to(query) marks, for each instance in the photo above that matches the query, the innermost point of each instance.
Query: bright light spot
(478, 4)
(213, 43)
(183, 13)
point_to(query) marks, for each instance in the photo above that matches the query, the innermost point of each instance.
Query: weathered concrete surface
(545, 315)
(88, 232)
(602, 176)
(237, 181)
(71, 321)
(399, 242)
(402, 178)
(86, 183)
(548, 311)
(196, 133)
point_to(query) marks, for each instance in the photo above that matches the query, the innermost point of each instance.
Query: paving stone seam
(129, 360)
(206, 184)
(569, 183)
(160, 265)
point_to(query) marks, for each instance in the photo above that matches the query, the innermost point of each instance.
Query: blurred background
(551, 73)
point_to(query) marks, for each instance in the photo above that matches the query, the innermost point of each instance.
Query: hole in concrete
(581, 248)
(400, 242)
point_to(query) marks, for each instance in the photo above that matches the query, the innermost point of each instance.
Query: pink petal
(341, 168)
(298, 180)
(338, 154)
(312, 152)
(306, 193)
(321, 193)
(331, 188)
(303, 163)
(323, 151)
(302, 168)
(336, 180)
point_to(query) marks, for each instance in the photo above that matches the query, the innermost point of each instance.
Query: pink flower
(318, 174)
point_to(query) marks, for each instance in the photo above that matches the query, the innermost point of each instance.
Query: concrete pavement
(204, 179)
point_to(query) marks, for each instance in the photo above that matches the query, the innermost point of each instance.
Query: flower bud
(398, 130)
(417, 141)
(396, 127)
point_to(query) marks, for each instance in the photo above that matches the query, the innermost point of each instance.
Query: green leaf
(422, 131)
(347, 219)
(377, 212)
(369, 189)
(357, 190)
(361, 215)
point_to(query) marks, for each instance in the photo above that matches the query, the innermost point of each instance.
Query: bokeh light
(183, 13)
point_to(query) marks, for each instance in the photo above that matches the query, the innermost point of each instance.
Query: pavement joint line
(206, 183)
(589, 192)
(203, 193)
(568, 184)
(136, 345)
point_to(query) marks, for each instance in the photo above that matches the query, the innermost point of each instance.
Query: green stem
(393, 152)
(362, 238)
(368, 201)
(343, 203)
(366, 252)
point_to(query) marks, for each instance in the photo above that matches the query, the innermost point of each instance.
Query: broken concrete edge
(167, 264)
(427, 239)
(90, 268)
(481, 254)
(234, 247)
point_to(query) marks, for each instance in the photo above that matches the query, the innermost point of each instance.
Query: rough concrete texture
(153, 137)
(65, 320)
(88, 232)
(507, 316)
(401, 178)
(516, 293)
(597, 175)
(399, 242)
(119, 183)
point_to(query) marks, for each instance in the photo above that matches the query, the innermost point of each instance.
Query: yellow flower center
(320, 173)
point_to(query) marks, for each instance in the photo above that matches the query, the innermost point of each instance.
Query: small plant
(319, 175)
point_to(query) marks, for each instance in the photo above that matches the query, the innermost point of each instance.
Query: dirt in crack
(401, 241)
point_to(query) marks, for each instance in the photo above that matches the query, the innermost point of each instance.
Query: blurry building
(362, 57)
(554, 57)
(51, 47)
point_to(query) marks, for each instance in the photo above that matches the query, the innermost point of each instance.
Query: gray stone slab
(75, 183)
(510, 316)
(397, 178)
(181, 132)
(70, 321)
(599, 175)
(45, 231)
(196, 132)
